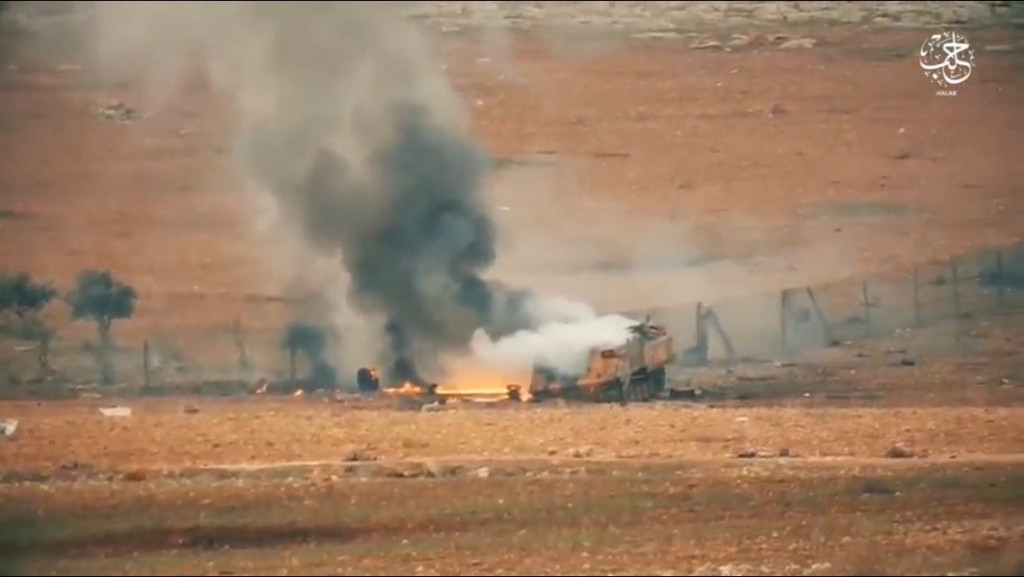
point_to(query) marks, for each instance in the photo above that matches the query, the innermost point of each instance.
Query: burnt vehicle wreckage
(633, 371)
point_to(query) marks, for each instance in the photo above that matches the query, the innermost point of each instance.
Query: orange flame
(469, 378)
(407, 388)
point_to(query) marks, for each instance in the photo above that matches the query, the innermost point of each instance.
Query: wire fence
(782, 323)
(764, 326)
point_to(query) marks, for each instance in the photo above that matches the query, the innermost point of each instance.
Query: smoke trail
(349, 124)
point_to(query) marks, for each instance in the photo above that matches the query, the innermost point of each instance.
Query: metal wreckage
(631, 372)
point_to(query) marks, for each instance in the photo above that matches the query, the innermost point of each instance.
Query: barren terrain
(739, 171)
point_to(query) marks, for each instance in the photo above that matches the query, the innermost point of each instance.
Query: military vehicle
(633, 371)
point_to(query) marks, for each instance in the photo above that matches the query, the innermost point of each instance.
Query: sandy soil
(691, 520)
(159, 434)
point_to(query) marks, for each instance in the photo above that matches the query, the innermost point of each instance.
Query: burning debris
(368, 380)
(119, 112)
(635, 370)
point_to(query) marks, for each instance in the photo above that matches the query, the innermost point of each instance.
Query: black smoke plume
(310, 341)
(418, 254)
(347, 121)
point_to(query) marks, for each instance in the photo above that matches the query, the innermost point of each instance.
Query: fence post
(698, 333)
(867, 307)
(829, 340)
(956, 300)
(917, 300)
(954, 273)
(783, 319)
(999, 281)
(145, 363)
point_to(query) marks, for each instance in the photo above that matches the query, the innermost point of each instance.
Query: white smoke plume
(562, 345)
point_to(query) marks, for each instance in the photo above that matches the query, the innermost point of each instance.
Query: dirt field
(310, 488)
(757, 152)
(832, 468)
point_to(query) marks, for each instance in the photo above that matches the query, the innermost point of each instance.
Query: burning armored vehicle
(632, 371)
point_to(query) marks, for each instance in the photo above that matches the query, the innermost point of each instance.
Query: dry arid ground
(758, 153)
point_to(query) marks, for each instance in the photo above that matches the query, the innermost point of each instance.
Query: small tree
(22, 300)
(101, 298)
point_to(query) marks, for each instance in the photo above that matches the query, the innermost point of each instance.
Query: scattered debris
(898, 452)
(136, 476)
(582, 453)
(482, 472)
(8, 426)
(740, 40)
(438, 470)
(116, 411)
(14, 476)
(261, 387)
(875, 486)
(414, 444)
(653, 35)
(119, 112)
(356, 454)
(798, 43)
(704, 44)
(755, 378)
(432, 407)
(679, 394)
